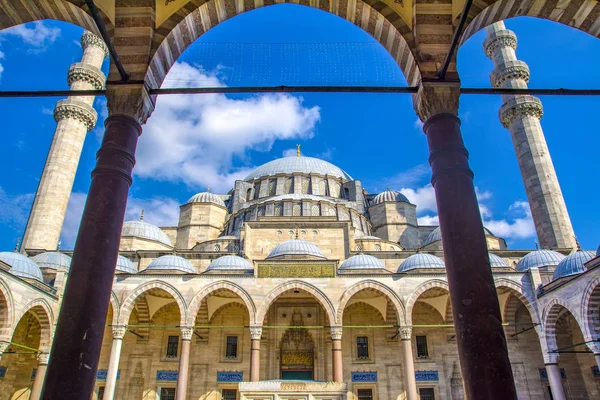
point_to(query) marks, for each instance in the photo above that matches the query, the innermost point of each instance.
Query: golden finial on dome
(298, 150)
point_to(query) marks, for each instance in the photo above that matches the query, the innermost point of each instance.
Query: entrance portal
(297, 351)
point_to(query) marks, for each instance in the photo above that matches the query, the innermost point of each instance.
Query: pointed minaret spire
(142, 215)
(17, 245)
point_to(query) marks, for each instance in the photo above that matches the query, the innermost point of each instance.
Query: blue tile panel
(370, 376)
(2, 372)
(101, 374)
(166, 375)
(223, 376)
(425, 376)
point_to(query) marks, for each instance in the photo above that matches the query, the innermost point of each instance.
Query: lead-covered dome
(421, 261)
(125, 265)
(296, 247)
(436, 235)
(301, 164)
(497, 261)
(206, 197)
(230, 263)
(22, 266)
(389, 195)
(53, 260)
(539, 259)
(144, 230)
(362, 261)
(171, 263)
(573, 264)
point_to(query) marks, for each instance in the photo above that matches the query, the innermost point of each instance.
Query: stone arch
(373, 16)
(552, 312)
(196, 302)
(129, 303)
(517, 290)
(7, 311)
(114, 303)
(414, 296)
(590, 309)
(45, 316)
(582, 15)
(225, 307)
(374, 285)
(307, 287)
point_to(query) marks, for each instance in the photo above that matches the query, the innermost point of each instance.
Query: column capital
(88, 73)
(256, 332)
(187, 332)
(77, 110)
(43, 358)
(520, 107)
(132, 100)
(119, 331)
(405, 332)
(3, 347)
(550, 358)
(90, 39)
(336, 333)
(436, 98)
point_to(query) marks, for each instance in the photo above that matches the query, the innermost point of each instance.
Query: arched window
(272, 187)
(346, 193)
(278, 211)
(289, 185)
(256, 190)
(297, 209)
(359, 247)
(261, 211)
(249, 194)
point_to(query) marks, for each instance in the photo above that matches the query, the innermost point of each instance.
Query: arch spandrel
(199, 297)
(129, 303)
(45, 316)
(374, 285)
(414, 296)
(8, 316)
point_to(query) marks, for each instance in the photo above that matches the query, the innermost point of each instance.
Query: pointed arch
(114, 303)
(550, 316)
(518, 291)
(414, 296)
(196, 302)
(7, 314)
(286, 287)
(590, 309)
(374, 285)
(129, 303)
(45, 316)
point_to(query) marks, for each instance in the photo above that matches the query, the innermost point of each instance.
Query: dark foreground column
(80, 328)
(480, 337)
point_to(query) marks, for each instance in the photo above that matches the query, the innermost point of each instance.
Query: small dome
(230, 263)
(171, 263)
(389, 195)
(362, 261)
(304, 165)
(53, 260)
(144, 230)
(370, 238)
(497, 262)
(421, 260)
(21, 265)
(228, 237)
(573, 264)
(125, 265)
(538, 259)
(436, 235)
(206, 197)
(296, 247)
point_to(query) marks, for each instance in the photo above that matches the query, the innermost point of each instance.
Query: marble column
(118, 332)
(255, 335)
(184, 362)
(336, 353)
(555, 381)
(40, 373)
(409, 365)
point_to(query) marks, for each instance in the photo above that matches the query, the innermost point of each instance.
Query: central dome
(304, 165)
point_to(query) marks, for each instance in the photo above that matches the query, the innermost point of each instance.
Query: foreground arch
(376, 286)
(129, 303)
(196, 302)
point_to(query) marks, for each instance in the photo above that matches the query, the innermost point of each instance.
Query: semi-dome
(538, 259)
(362, 261)
(144, 230)
(389, 195)
(171, 263)
(573, 264)
(296, 247)
(21, 265)
(125, 265)
(206, 197)
(421, 261)
(436, 235)
(53, 260)
(497, 262)
(230, 263)
(301, 164)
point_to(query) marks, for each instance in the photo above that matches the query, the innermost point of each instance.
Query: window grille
(422, 351)
(362, 347)
(236, 248)
(100, 392)
(315, 210)
(305, 183)
(289, 185)
(272, 187)
(229, 394)
(359, 247)
(334, 189)
(426, 393)
(167, 394)
(172, 346)
(377, 247)
(322, 188)
(278, 210)
(261, 211)
(217, 247)
(232, 344)
(365, 394)
(297, 209)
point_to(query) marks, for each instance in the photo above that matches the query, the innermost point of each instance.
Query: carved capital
(436, 98)
(79, 72)
(405, 333)
(511, 70)
(89, 39)
(43, 358)
(550, 358)
(499, 39)
(255, 332)
(187, 332)
(76, 110)
(520, 107)
(3, 347)
(132, 100)
(594, 346)
(119, 331)
(336, 333)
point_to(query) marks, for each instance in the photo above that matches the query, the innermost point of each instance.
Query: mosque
(296, 284)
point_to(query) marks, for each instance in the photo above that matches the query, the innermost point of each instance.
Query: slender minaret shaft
(521, 115)
(74, 117)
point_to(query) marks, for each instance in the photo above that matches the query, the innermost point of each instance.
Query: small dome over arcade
(171, 263)
(53, 260)
(573, 264)
(436, 235)
(421, 261)
(296, 247)
(125, 265)
(539, 259)
(230, 263)
(206, 197)
(362, 261)
(21, 265)
(497, 261)
(297, 164)
(144, 230)
(389, 196)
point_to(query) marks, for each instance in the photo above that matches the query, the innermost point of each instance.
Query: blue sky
(214, 139)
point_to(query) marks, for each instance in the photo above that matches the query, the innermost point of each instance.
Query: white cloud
(518, 227)
(36, 34)
(289, 152)
(47, 111)
(14, 209)
(194, 138)
(428, 220)
(423, 197)
(410, 178)
(418, 124)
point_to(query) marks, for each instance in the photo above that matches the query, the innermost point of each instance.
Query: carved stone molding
(520, 107)
(3, 347)
(550, 358)
(187, 332)
(510, 70)
(87, 73)
(405, 333)
(119, 331)
(498, 39)
(77, 110)
(255, 332)
(90, 39)
(336, 333)
(436, 98)
(43, 358)
(131, 100)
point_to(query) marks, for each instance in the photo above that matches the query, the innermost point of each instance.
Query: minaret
(521, 115)
(74, 117)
